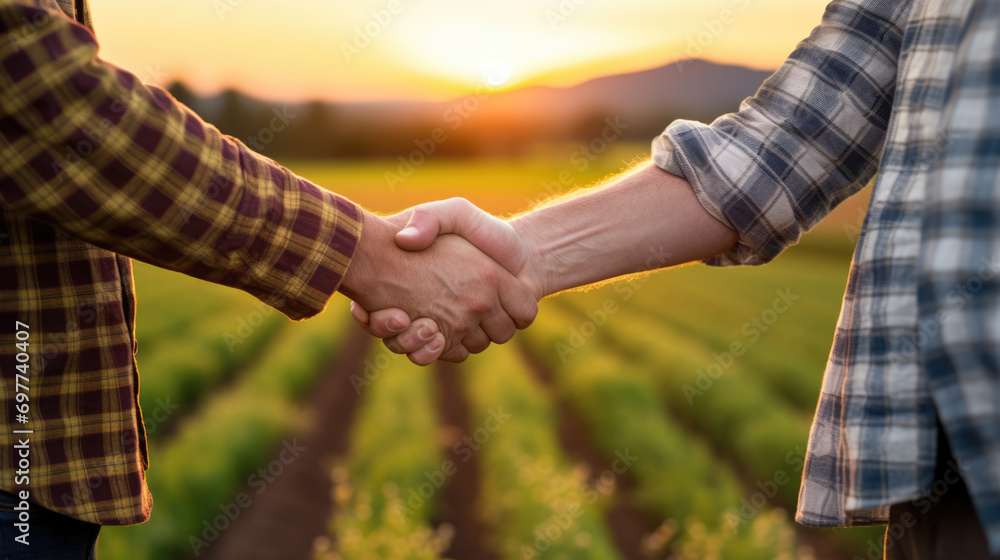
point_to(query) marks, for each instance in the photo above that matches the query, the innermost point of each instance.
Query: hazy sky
(433, 49)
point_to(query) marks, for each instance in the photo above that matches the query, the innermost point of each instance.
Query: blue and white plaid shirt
(910, 89)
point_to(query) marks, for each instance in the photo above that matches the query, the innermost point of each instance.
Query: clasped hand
(442, 281)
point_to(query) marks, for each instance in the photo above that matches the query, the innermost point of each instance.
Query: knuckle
(477, 342)
(506, 335)
(381, 329)
(481, 306)
(489, 274)
(526, 320)
(421, 214)
(411, 341)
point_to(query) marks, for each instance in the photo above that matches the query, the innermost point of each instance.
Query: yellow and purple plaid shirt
(96, 168)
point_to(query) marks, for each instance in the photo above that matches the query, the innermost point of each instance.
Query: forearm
(644, 221)
(92, 151)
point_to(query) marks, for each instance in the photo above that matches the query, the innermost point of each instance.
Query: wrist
(535, 274)
(369, 257)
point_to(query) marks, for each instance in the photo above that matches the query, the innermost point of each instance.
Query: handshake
(443, 280)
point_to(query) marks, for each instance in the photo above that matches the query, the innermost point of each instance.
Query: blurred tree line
(470, 127)
(588, 116)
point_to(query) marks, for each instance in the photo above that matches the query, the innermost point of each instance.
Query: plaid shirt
(910, 89)
(96, 168)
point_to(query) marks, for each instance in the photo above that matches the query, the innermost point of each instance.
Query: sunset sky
(433, 49)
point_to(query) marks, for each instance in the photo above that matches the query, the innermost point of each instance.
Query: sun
(471, 53)
(496, 72)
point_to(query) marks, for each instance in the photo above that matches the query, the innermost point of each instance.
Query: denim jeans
(50, 536)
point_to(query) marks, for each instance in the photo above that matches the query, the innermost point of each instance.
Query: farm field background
(662, 417)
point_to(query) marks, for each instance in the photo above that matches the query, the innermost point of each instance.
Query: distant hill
(501, 123)
(693, 87)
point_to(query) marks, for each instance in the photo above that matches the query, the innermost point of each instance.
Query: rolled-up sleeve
(89, 149)
(811, 137)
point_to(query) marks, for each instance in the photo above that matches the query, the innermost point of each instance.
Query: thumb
(423, 227)
(491, 235)
(359, 313)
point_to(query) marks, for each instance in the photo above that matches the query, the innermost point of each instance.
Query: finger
(455, 355)
(491, 235)
(498, 326)
(359, 313)
(361, 316)
(518, 301)
(429, 353)
(420, 333)
(388, 322)
(476, 341)
(423, 226)
(393, 345)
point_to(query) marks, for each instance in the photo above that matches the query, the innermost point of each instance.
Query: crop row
(386, 488)
(193, 337)
(536, 503)
(726, 402)
(677, 481)
(197, 475)
(170, 303)
(782, 316)
(173, 380)
(736, 411)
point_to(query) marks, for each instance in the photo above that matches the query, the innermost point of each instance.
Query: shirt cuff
(693, 151)
(319, 244)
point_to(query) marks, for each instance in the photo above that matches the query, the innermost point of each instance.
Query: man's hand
(469, 299)
(645, 220)
(497, 239)
(491, 235)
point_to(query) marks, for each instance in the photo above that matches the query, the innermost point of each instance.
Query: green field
(665, 417)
